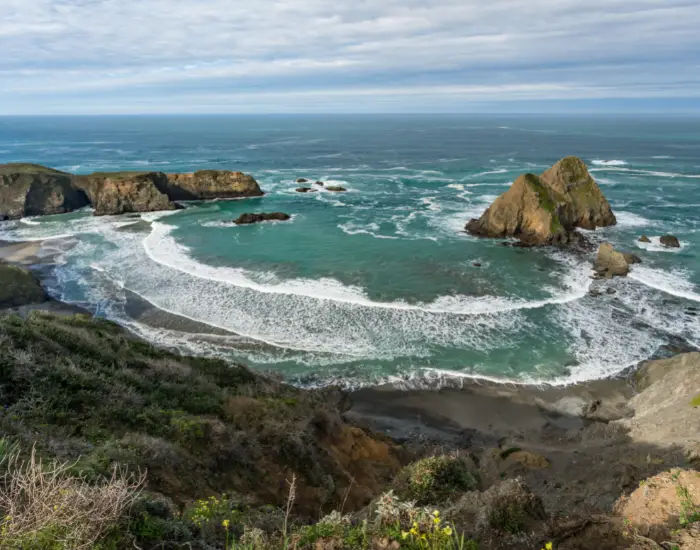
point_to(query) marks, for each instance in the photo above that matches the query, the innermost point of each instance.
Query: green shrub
(432, 480)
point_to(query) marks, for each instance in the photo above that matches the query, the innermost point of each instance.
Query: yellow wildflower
(225, 524)
(548, 546)
(447, 531)
(404, 534)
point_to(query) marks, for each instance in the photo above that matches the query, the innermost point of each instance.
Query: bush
(435, 479)
(44, 507)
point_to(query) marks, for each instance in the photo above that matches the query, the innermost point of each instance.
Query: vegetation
(18, 286)
(435, 479)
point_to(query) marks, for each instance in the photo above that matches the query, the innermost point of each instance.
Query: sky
(320, 56)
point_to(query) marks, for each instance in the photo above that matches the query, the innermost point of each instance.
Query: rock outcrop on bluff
(30, 189)
(210, 184)
(121, 192)
(545, 209)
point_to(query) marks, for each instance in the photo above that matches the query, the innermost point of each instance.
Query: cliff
(31, 189)
(210, 184)
(121, 192)
(545, 209)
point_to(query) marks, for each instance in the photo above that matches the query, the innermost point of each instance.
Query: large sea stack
(32, 190)
(545, 209)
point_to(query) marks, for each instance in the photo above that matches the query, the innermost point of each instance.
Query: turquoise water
(380, 282)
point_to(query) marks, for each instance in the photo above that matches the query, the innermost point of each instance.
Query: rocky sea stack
(33, 190)
(545, 209)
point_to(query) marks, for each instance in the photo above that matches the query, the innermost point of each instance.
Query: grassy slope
(84, 389)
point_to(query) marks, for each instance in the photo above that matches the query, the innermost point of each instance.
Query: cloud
(206, 55)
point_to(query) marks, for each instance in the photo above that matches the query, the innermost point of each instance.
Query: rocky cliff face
(117, 193)
(210, 184)
(31, 190)
(545, 209)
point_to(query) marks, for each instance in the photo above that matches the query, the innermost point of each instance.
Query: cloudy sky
(197, 56)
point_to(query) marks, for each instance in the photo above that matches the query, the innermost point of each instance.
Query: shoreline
(578, 447)
(141, 310)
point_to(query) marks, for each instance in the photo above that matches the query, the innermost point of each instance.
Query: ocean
(379, 283)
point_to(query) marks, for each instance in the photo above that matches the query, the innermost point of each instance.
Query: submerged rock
(305, 190)
(545, 209)
(250, 217)
(33, 190)
(612, 263)
(319, 183)
(302, 180)
(335, 188)
(644, 239)
(670, 241)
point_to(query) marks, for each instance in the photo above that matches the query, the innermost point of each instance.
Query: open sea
(379, 283)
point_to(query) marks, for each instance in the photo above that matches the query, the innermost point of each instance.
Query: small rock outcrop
(545, 209)
(33, 190)
(251, 217)
(612, 263)
(302, 180)
(210, 184)
(19, 287)
(120, 192)
(319, 182)
(336, 188)
(644, 239)
(305, 190)
(670, 241)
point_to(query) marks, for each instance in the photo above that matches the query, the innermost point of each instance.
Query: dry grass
(45, 502)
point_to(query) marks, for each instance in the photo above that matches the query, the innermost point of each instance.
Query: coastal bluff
(545, 209)
(35, 190)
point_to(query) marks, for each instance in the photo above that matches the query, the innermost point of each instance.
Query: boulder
(670, 241)
(545, 209)
(120, 192)
(18, 287)
(632, 258)
(644, 239)
(209, 184)
(612, 263)
(305, 190)
(336, 188)
(33, 190)
(250, 217)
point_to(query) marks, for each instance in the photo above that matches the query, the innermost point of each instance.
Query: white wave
(163, 249)
(371, 229)
(671, 282)
(599, 162)
(646, 173)
(662, 157)
(487, 172)
(630, 219)
(30, 221)
(656, 246)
